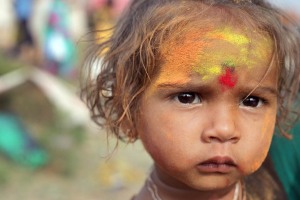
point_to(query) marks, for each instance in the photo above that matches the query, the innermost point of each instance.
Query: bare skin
(203, 134)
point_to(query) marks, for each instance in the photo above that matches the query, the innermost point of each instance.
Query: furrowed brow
(187, 86)
(172, 85)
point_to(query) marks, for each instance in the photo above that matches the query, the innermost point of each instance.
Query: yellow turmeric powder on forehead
(229, 35)
(203, 51)
(243, 49)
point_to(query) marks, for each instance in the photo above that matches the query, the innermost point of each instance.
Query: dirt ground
(93, 177)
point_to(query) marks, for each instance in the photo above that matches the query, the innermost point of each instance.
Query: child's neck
(162, 187)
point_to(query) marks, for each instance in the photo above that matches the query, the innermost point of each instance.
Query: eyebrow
(266, 89)
(177, 85)
(205, 88)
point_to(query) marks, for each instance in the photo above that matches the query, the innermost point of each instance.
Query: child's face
(197, 121)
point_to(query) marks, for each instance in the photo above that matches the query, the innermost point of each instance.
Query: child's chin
(214, 184)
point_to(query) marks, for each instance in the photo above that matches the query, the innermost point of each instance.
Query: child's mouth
(217, 165)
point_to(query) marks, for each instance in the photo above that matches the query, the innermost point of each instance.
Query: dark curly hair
(131, 58)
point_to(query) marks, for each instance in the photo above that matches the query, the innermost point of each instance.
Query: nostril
(223, 139)
(214, 139)
(234, 139)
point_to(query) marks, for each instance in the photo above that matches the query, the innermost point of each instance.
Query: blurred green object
(8, 64)
(285, 155)
(17, 144)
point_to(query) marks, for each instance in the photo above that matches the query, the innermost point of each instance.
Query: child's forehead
(189, 44)
(205, 50)
(238, 34)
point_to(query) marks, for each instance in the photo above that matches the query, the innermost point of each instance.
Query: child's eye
(188, 98)
(252, 101)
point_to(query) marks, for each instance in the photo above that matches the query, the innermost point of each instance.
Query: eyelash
(261, 101)
(195, 98)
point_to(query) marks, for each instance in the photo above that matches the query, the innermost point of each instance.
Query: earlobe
(125, 127)
(129, 132)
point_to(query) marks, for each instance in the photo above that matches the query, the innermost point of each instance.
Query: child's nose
(222, 125)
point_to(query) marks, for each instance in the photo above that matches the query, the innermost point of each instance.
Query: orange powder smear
(192, 53)
(181, 53)
(267, 123)
(255, 165)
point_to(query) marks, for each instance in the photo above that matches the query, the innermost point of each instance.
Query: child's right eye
(188, 98)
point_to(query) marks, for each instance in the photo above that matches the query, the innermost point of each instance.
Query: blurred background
(49, 148)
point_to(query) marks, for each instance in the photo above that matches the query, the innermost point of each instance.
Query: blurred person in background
(100, 14)
(25, 40)
(103, 13)
(7, 26)
(59, 47)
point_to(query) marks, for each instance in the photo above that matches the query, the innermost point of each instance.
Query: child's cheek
(262, 145)
(157, 140)
(257, 163)
(268, 123)
(248, 166)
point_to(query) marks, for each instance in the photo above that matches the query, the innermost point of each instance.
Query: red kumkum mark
(229, 79)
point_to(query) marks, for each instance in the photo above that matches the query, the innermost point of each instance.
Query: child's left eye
(188, 98)
(252, 101)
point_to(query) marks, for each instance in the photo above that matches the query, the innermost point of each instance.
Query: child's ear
(128, 130)
(124, 126)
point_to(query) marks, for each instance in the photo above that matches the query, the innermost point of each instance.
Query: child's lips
(217, 164)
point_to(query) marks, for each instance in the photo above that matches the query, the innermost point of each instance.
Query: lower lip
(215, 168)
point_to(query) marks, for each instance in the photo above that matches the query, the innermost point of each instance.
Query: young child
(200, 83)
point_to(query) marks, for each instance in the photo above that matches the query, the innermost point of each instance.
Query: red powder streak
(229, 79)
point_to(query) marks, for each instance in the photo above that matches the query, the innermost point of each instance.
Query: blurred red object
(96, 4)
(117, 5)
(120, 5)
